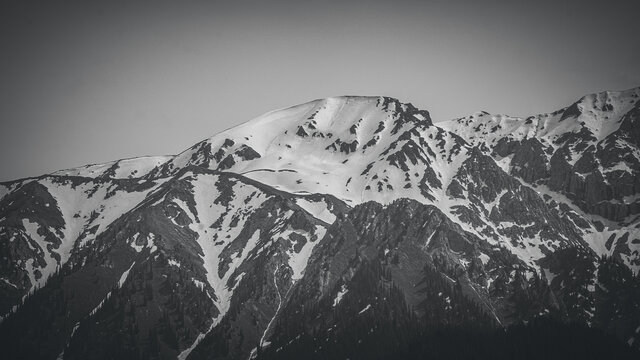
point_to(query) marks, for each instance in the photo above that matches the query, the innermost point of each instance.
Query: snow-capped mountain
(339, 227)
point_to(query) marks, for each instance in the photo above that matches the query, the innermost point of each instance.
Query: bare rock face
(348, 227)
(530, 161)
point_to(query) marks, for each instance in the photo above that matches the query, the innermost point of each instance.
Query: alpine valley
(348, 227)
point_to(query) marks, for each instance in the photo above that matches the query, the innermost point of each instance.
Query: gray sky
(92, 81)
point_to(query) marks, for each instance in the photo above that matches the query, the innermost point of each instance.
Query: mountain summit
(343, 227)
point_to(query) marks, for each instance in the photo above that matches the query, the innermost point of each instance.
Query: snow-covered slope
(120, 169)
(355, 148)
(319, 147)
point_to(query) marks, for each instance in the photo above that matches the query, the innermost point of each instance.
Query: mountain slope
(338, 214)
(584, 159)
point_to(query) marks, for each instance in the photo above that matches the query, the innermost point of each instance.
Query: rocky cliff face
(339, 227)
(583, 158)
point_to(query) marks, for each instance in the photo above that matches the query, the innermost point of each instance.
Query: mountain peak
(592, 118)
(609, 96)
(326, 132)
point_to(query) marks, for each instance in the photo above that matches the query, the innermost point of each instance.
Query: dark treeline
(372, 321)
(449, 325)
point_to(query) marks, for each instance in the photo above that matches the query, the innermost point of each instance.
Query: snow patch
(365, 309)
(124, 276)
(340, 295)
(318, 209)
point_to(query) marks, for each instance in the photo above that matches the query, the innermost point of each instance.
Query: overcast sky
(92, 81)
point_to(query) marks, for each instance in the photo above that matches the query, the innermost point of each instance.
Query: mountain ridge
(606, 93)
(633, 90)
